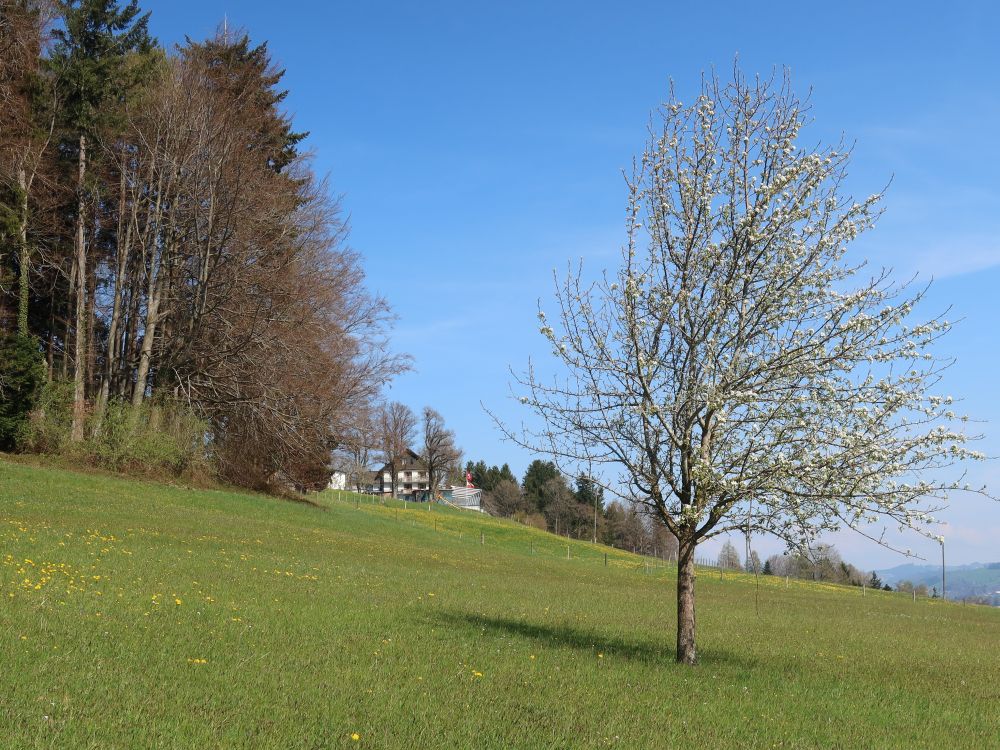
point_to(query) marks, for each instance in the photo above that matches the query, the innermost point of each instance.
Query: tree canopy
(739, 371)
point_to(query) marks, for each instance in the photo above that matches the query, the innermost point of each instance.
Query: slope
(142, 615)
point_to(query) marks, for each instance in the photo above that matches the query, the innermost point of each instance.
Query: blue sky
(479, 147)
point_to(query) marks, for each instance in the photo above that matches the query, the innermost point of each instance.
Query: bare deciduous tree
(737, 370)
(357, 444)
(728, 556)
(397, 428)
(439, 449)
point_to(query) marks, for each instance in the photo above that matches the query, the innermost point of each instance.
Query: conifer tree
(98, 62)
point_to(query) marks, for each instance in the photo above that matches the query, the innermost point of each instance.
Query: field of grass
(138, 615)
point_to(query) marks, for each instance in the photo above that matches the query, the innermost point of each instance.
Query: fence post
(786, 582)
(605, 559)
(567, 552)
(914, 594)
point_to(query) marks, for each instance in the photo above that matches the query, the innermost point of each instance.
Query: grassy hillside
(142, 615)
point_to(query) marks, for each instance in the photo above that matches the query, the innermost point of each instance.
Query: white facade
(411, 477)
(338, 481)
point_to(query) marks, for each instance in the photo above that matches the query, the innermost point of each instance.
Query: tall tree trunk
(686, 653)
(80, 349)
(64, 365)
(24, 260)
(124, 243)
(50, 357)
(148, 336)
(91, 328)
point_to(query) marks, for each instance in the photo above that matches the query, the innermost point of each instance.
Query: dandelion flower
(355, 736)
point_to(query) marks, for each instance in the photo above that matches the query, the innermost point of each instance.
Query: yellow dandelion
(355, 736)
(177, 601)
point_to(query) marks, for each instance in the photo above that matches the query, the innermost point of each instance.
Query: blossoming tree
(738, 372)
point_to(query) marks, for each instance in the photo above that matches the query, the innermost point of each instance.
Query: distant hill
(975, 579)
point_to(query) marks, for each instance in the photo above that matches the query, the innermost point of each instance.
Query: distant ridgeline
(979, 582)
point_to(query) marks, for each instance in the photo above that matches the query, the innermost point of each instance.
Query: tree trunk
(686, 653)
(148, 335)
(80, 349)
(24, 260)
(123, 249)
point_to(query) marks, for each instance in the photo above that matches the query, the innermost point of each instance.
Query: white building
(338, 481)
(412, 480)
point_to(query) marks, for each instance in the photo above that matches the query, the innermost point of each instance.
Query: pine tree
(538, 473)
(875, 582)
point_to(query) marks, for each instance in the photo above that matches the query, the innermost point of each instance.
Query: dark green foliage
(539, 472)
(875, 582)
(624, 528)
(95, 59)
(488, 478)
(767, 568)
(22, 375)
(589, 492)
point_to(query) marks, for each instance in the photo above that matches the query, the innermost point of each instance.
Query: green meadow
(141, 615)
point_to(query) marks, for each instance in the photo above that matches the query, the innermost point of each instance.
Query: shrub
(22, 377)
(48, 427)
(159, 436)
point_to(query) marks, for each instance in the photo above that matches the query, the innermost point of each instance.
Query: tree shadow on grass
(649, 651)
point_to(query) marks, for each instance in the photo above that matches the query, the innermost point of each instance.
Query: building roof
(410, 459)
